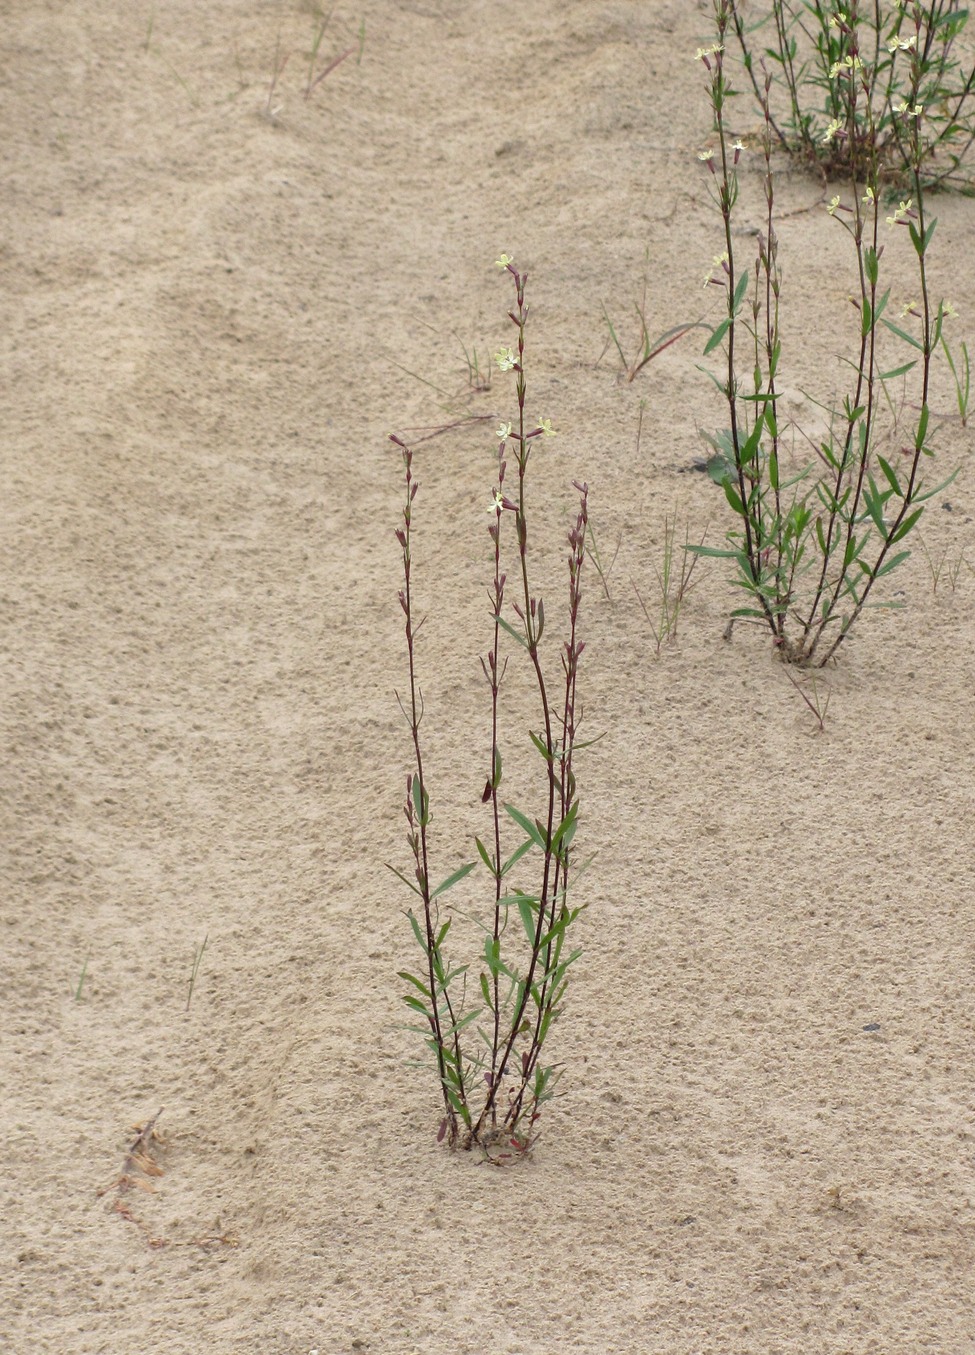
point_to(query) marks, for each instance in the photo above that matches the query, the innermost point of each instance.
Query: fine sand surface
(767, 1140)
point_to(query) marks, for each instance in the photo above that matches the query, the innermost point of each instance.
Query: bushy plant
(849, 74)
(810, 543)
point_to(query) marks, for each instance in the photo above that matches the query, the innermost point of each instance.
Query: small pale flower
(706, 155)
(835, 126)
(868, 197)
(834, 204)
(547, 430)
(703, 53)
(909, 309)
(718, 261)
(503, 431)
(845, 67)
(912, 110)
(505, 359)
(902, 44)
(901, 212)
(948, 311)
(504, 260)
(838, 19)
(497, 502)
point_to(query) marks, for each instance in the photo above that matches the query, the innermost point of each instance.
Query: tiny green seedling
(81, 979)
(646, 348)
(673, 583)
(197, 957)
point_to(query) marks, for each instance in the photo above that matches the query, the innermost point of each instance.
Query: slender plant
(489, 1039)
(647, 349)
(810, 546)
(858, 124)
(675, 579)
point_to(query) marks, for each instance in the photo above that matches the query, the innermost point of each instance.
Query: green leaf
(515, 635)
(717, 335)
(731, 494)
(527, 916)
(903, 334)
(418, 932)
(517, 854)
(875, 507)
(906, 525)
(482, 852)
(888, 471)
(492, 955)
(457, 1104)
(714, 552)
(922, 427)
(892, 563)
(558, 929)
(451, 880)
(409, 883)
(496, 779)
(740, 288)
(898, 371)
(566, 829)
(411, 978)
(525, 823)
(458, 1026)
(541, 745)
(930, 493)
(416, 1005)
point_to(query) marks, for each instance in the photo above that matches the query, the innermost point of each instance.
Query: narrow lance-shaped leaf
(525, 823)
(451, 880)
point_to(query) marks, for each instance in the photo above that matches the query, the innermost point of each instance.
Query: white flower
(706, 155)
(497, 502)
(713, 50)
(504, 261)
(504, 431)
(901, 212)
(835, 126)
(505, 359)
(834, 203)
(547, 430)
(948, 311)
(902, 44)
(868, 197)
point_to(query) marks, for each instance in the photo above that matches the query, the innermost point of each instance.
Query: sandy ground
(766, 1142)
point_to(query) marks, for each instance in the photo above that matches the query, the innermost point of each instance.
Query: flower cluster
(847, 66)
